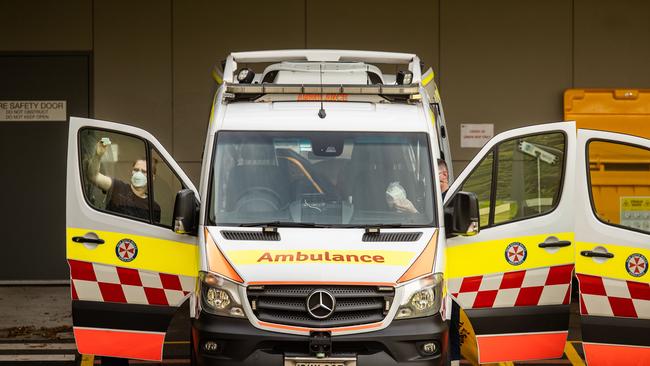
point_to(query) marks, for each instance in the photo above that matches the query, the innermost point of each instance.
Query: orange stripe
(423, 265)
(521, 347)
(609, 354)
(333, 330)
(304, 171)
(218, 262)
(261, 283)
(119, 343)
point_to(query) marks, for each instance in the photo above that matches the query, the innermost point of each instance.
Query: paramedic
(129, 199)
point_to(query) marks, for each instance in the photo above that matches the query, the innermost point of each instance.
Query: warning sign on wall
(475, 134)
(635, 212)
(33, 110)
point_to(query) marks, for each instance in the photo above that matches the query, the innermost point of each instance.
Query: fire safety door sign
(33, 110)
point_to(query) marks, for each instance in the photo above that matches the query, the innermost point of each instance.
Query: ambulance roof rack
(312, 55)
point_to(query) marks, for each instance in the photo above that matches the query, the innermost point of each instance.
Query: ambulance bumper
(241, 344)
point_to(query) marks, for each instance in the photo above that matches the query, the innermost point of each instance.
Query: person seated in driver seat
(129, 199)
(396, 194)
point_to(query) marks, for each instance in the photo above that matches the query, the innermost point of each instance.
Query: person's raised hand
(100, 149)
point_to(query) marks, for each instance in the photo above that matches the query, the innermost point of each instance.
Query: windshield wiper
(281, 224)
(383, 226)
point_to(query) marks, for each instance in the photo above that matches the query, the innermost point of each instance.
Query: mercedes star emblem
(320, 304)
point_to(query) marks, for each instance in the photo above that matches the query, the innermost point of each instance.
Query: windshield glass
(321, 178)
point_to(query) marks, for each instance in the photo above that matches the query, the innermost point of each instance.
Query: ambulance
(319, 233)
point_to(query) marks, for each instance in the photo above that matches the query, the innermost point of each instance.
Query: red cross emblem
(516, 253)
(126, 250)
(636, 265)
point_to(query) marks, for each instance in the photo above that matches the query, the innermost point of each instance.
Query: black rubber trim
(95, 314)
(557, 244)
(592, 254)
(612, 330)
(524, 319)
(82, 239)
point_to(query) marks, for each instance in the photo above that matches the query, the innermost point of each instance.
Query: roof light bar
(325, 89)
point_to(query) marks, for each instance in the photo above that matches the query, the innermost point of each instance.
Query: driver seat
(257, 176)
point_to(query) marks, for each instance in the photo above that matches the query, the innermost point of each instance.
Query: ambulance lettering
(320, 257)
(379, 257)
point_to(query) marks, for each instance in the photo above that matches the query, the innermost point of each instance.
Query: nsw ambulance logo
(126, 250)
(516, 253)
(636, 265)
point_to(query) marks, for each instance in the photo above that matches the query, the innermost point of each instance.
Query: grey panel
(505, 62)
(132, 50)
(205, 32)
(46, 25)
(612, 44)
(193, 170)
(32, 156)
(377, 25)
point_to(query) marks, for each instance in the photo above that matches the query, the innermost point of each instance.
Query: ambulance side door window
(619, 176)
(529, 177)
(520, 178)
(114, 173)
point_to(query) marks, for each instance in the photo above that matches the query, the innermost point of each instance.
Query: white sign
(33, 110)
(475, 135)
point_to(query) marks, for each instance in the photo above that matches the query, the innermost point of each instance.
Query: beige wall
(505, 62)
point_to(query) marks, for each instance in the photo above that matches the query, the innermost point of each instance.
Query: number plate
(313, 361)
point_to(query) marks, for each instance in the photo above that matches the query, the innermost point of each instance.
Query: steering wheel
(258, 199)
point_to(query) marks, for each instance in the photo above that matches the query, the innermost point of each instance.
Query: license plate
(313, 361)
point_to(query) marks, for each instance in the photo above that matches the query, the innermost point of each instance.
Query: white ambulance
(318, 234)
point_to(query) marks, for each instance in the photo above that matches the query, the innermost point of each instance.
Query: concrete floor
(35, 311)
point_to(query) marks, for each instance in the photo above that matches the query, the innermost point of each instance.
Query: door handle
(592, 254)
(554, 244)
(85, 240)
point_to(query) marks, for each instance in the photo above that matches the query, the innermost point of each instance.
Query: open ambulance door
(613, 247)
(129, 272)
(513, 279)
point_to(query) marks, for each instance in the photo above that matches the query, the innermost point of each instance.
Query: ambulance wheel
(112, 361)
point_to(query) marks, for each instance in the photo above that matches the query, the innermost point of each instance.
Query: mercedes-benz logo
(320, 304)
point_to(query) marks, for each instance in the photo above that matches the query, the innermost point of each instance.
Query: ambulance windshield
(338, 179)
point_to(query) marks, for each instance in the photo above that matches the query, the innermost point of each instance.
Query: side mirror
(186, 209)
(462, 215)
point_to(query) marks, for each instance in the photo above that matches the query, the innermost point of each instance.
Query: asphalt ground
(36, 329)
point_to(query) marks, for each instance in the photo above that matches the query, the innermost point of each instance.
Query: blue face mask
(138, 179)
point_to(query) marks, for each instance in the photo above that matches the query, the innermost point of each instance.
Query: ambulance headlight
(218, 299)
(421, 297)
(219, 296)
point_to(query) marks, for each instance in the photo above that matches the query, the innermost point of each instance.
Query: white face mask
(138, 179)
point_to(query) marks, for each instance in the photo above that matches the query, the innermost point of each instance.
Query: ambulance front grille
(287, 305)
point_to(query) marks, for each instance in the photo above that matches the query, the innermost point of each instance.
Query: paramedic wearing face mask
(131, 198)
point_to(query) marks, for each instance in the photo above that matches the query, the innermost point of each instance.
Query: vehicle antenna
(321, 112)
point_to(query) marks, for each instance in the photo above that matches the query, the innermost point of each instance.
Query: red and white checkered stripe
(610, 297)
(540, 286)
(99, 282)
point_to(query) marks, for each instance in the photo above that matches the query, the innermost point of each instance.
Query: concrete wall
(505, 62)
